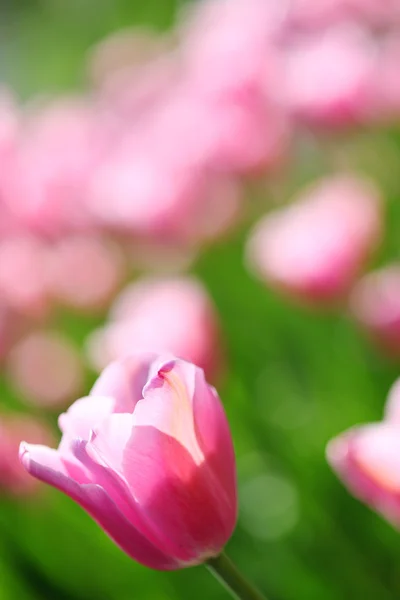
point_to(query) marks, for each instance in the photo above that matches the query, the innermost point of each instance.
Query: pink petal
(124, 381)
(47, 465)
(204, 419)
(82, 415)
(367, 459)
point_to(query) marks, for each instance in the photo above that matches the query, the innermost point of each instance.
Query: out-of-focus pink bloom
(86, 271)
(24, 275)
(367, 460)
(327, 80)
(375, 305)
(59, 145)
(151, 189)
(14, 428)
(172, 315)
(155, 468)
(314, 248)
(246, 131)
(46, 369)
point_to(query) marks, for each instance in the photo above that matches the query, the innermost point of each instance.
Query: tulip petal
(197, 420)
(124, 381)
(81, 416)
(48, 466)
(367, 459)
(176, 495)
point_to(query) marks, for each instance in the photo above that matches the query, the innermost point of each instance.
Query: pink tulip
(14, 480)
(58, 147)
(155, 468)
(45, 368)
(173, 315)
(367, 460)
(25, 276)
(243, 131)
(375, 305)
(85, 272)
(327, 80)
(314, 248)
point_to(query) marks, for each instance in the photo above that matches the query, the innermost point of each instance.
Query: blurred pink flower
(86, 271)
(155, 468)
(151, 190)
(173, 315)
(25, 276)
(45, 368)
(13, 428)
(314, 248)
(375, 305)
(244, 132)
(327, 80)
(58, 146)
(367, 460)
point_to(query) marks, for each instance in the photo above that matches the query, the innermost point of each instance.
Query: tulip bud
(155, 468)
(163, 315)
(315, 248)
(367, 460)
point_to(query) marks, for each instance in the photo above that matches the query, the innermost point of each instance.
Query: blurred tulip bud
(173, 315)
(327, 80)
(46, 369)
(375, 305)
(86, 272)
(314, 248)
(13, 428)
(155, 469)
(244, 133)
(61, 143)
(24, 275)
(366, 459)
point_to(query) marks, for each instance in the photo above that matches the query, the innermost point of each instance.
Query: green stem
(225, 571)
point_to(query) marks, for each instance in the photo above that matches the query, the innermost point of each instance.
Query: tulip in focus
(314, 248)
(375, 305)
(148, 454)
(367, 460)
(166, 314)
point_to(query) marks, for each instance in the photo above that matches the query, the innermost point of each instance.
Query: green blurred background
(295, 379)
